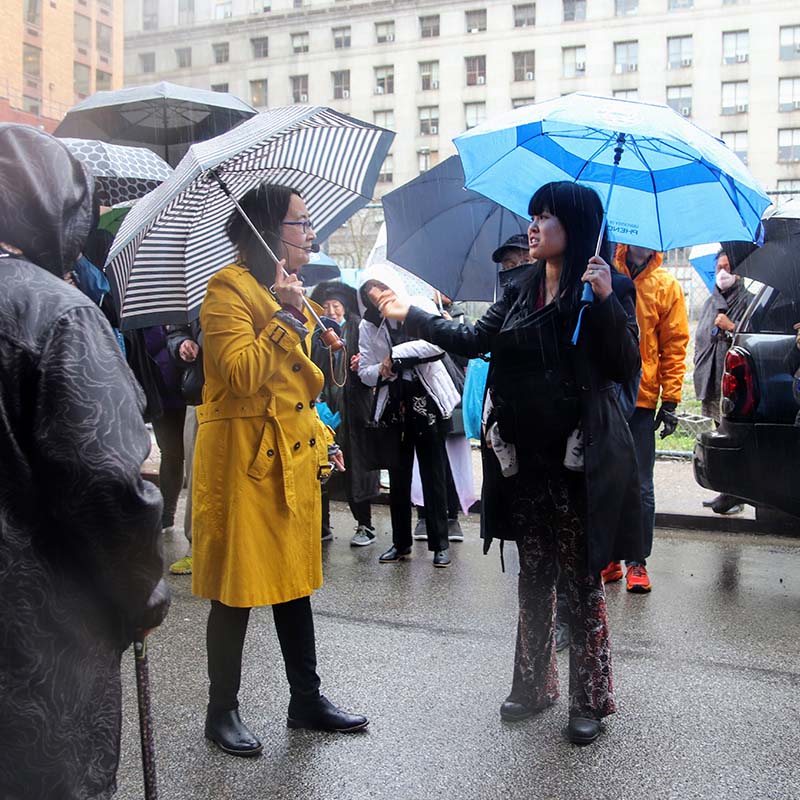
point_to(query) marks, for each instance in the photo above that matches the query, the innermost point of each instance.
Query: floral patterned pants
(546, 514)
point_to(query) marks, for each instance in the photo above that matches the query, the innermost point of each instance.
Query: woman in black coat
(559, 464)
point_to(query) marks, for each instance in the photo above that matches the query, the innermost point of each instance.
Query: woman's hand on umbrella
(188, 350)
(287, 288)
(723, 322)
(387, 302)
(598, 274)
(337, 459)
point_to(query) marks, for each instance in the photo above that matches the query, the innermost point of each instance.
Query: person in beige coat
(261, 451)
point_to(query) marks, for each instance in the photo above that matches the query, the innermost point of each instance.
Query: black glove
(668, 418)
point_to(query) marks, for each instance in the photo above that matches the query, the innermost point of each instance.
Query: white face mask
(725, 280)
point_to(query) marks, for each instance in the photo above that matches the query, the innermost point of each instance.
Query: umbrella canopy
(320, 267)
(675, 186)
(174, 239)
(164, 117)
(446, 234)
(703, 257)
(121, 174)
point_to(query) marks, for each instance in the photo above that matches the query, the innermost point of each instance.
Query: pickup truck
(755, 452)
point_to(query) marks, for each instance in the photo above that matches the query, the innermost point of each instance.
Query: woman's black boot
(226, 729)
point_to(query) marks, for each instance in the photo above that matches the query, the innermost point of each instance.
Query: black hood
(45, 198)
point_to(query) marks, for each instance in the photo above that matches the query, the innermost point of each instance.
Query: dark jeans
(453, 503)
(361, 510)
(168, 429)
(227, 626)
(644, 441)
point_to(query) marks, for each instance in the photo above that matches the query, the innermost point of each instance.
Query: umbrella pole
(145, 720)
(328, 336)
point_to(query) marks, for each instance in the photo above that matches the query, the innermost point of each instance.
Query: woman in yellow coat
(261, 450)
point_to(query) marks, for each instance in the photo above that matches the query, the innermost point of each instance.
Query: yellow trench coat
(260, 445)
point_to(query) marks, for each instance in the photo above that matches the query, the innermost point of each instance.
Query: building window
(790, 42)
(104, 36)
(679, 99)
(426, 158)
(626, 57)
(428, 75)
(258, 93)
(735, 97)
(341, 37)
(525, 15)
(147, 63)
(518, 102)
(222, 52)
(735, 47)
(384, 80)
(474, 114)
(476, 21)
(185, 12)
(524, 65)
(429, 26)
(789, 144)
(82, 79)
(476, 70)
(679, 52)
(384, 119)
(32, 11)
(149, 15)
(736, 141)
(428, 120)
(31, 61)
(626, 94)
(183, 57)
(300, 42)
(574, 10)
(573, 61)
(102, 81)
(299, 87)
(260, 47)
(219, 87)
(677, 5)
(788, 189)
(341, 84)
(385, 174)
(788, 94)
(223, 10)
(384, 32)
(83, 31)
(31, 105)
(622, 8)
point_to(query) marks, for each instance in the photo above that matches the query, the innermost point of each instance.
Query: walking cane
(145, 721)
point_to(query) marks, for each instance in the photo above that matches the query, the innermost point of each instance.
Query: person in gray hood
(80, 559)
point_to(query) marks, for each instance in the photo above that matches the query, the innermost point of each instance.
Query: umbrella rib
(594, 155)
(637, 150)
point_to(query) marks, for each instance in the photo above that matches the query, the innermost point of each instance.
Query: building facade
(53, 53)
(429, 70)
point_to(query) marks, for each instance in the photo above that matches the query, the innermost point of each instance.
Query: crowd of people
(266, 421)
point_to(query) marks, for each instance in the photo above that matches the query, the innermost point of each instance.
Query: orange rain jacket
(663, 330)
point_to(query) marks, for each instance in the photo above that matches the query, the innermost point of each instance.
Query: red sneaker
(613, 572)
(637, 579)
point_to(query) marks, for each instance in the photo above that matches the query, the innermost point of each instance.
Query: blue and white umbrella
(174, 239)
(121, 174)
(703, 257)
(675, 185)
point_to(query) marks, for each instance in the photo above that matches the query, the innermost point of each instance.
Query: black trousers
(361, 511)
(453, 503)
(168, 429)
(227, 626)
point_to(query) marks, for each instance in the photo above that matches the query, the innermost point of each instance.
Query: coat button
(298, 407)
(295, 368)
(270, 453)
(312, 442)
(312, 403)
(297, 445)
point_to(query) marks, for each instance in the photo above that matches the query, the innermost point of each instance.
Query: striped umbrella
(174, 239)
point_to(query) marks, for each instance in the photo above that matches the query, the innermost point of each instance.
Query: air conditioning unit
(633, 67)
(434, 130)
(685, 111)
(434, 84)
(741, 58)
(580, 66)
(345, 94)
(686, 62)
(389, 37)
(480, 80)
(797, 104)
(473, 30)
(740, 109)
(303, 98)
(379, 90)
(528, 76)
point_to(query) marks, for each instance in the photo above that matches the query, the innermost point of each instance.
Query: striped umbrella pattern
(174, 239)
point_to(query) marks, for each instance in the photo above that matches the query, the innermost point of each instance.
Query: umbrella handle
(329, 337)
(145, 720)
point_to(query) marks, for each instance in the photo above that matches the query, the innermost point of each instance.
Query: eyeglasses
(307, 224)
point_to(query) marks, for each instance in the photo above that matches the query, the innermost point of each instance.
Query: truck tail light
(739, 389)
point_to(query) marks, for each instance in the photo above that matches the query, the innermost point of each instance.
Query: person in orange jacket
(663, 339)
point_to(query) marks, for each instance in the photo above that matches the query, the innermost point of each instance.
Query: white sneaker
(420, 531)
(363, 536)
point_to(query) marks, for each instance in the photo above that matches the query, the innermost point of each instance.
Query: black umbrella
(164, 117)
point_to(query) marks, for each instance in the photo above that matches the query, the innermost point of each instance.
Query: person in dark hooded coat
(80, 558)
(558, 459)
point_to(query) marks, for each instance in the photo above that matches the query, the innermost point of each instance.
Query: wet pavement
(706, 668)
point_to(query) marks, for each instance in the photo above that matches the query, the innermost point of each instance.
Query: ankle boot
(226, 729)
(322, 715)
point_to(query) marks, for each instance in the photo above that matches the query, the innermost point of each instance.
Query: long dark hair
(579, 210)
(266, 207)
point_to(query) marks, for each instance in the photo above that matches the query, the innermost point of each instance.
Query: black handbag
(192, 380)
(383, 439)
